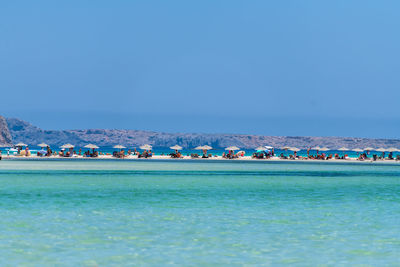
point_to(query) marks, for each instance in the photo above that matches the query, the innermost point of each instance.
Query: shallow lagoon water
(104, 212)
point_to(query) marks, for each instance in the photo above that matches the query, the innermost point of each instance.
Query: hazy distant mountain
(22, 131)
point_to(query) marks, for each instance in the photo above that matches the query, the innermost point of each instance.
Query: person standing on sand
(26, 151)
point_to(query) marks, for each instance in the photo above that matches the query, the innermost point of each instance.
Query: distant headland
(14, 130)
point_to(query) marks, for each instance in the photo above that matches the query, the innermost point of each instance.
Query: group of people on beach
(231, 154)
(264, 154)
(176, 155)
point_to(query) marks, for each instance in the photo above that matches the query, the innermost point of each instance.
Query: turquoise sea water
(103, 212)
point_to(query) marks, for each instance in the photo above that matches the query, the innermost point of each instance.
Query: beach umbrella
(119, 147)
(369, 149)
(357, 150)
(286, 148)
(176, 147)
(42, 145)
(232, 148)
(295, 149)
(324, 149)
(316, 148)
(381, 149)
(268, 147)
(21, 144)
(146, 147)
(204, 148)
(67, 146)
(393, 149)
(91, 146)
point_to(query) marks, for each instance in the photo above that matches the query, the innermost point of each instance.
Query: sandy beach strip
(185, 158)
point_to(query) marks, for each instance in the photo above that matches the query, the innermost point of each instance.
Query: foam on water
(198, 213)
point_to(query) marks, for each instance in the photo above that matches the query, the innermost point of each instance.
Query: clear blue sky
(264, 67)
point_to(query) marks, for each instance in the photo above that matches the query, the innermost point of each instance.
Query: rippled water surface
(198, 213)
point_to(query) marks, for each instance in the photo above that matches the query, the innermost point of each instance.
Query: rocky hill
(5, 135)
(22, 131)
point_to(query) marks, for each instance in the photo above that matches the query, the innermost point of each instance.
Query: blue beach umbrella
(260, 149)
(316, 148)
(285, 148)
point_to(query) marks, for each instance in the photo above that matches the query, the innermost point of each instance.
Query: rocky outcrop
(25, 132)
(22, 131)
(5, 135)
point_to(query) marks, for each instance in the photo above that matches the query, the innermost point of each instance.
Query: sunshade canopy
(67, 146)
(176, 147)
(232, 148)
(146, 147)
(21, 144)
(43, 145)
(206, 147)
(91, 146)
(369, 149)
